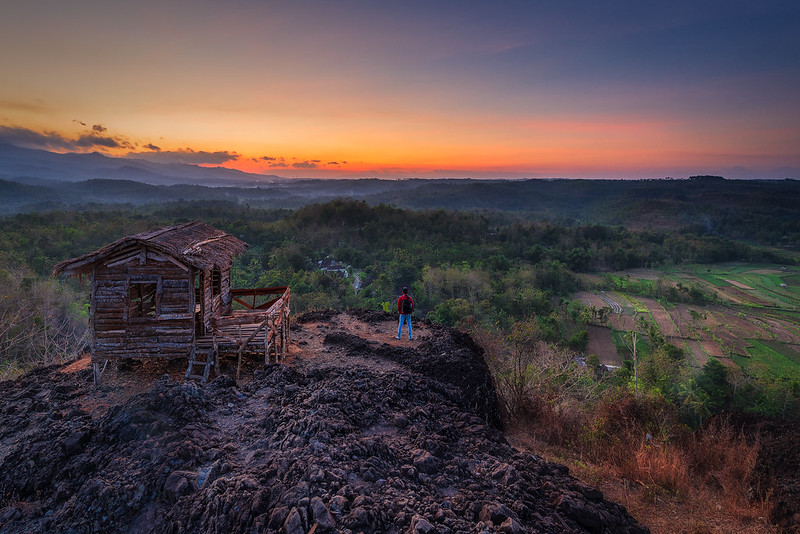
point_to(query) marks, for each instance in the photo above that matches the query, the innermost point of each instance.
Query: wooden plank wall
(116, 335)
(214, 306)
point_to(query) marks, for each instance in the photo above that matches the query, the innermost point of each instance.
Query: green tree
(713, 380)
(694, 401)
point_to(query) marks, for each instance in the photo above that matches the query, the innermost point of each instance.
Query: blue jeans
(404, 317)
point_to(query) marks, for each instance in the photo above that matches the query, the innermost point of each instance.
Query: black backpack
(407, 305)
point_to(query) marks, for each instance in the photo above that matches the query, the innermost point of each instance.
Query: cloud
(99, 128)
(186, 155)
(17, 135)
(271, 161)
(93, 140)
(51, 140)
(281, 162)
(151, 146)
(308, 164)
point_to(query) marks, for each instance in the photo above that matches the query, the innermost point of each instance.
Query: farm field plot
(696, 351)
(756, 317)
(712, 349)
(590, 299)
(782, 329)
(661, 317)
(790, 351)
(621, 321)
(751, 285)
(601, 344)
(778, 363)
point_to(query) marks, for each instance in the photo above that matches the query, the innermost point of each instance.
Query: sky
(440, 89)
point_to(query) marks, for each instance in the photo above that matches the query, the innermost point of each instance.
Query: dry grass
(707, 475)
(675, 480)
(662, 488)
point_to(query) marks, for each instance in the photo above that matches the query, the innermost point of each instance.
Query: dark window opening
(216, 282)
(142, 298)
(198, 289)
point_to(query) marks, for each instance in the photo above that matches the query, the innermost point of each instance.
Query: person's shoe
(411, 339)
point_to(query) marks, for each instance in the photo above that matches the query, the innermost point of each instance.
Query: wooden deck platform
(255, 330)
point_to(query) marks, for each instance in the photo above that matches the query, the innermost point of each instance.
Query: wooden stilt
(192, 354)
(266, 347)
(97, 372)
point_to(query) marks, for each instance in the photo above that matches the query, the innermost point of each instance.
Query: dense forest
(756, 211)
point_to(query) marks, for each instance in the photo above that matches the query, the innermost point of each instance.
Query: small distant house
(167, 294)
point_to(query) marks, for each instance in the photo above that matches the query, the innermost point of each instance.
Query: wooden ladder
(207, 364)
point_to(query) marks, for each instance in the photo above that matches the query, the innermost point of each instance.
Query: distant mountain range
(27, 165)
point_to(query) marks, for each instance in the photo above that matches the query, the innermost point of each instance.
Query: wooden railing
(271, 316)
(240, 294)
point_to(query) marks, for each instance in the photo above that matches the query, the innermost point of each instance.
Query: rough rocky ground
(357, 431)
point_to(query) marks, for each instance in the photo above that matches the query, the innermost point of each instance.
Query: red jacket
(400, 303)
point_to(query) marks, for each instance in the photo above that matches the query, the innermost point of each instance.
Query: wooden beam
(167, 257)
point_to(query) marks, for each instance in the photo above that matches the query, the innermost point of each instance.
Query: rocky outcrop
(368, 438)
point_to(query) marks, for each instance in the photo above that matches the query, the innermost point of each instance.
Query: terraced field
(755, 319)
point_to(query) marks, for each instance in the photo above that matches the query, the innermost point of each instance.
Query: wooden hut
(167, 294)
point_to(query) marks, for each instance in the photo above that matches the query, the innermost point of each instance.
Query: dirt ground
(123, 379)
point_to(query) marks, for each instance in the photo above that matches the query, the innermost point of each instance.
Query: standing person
(405, 306)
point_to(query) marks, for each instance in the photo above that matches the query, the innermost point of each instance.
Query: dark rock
(278, 517)
(293, 523)
(511, 526)
(590, 492)
(420, 525)
(177, 484)
(359, 518)
(582, 513)
(339, 504)
(497, 514)
(425, 462)
(321, 515)
(75, 442)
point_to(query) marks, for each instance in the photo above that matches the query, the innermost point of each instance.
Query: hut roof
(195, 243)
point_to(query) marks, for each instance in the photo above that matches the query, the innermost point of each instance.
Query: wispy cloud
(307, 164)
(282, 162)
(95, 139)
(271, 161)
